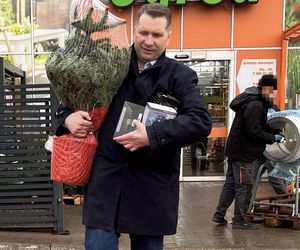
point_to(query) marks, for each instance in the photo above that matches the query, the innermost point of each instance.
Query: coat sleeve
(61, 114)
(192, 123)
(252, 117)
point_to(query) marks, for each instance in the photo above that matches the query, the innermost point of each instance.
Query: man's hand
(79, 123)
(135, 139)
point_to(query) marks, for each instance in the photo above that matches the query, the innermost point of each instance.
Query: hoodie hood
(250, 94)
(253, 91)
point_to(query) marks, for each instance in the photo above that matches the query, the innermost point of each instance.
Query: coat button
(163, 141)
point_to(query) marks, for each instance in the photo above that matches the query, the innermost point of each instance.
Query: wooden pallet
(275, 220)
(73, 199)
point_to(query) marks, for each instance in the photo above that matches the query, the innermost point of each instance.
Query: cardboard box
(130, 112)
(156, 113)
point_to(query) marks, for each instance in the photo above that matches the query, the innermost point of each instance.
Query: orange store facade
(229, 46)
(229, 43)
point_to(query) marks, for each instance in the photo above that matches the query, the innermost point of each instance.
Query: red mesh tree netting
(73, 167)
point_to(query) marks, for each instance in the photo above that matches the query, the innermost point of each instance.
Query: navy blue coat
(138, 192)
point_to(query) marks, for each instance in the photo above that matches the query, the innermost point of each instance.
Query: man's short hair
(268, 80)
(156, 10)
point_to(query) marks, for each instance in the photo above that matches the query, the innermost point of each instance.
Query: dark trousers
(98, 239)
(237, 186)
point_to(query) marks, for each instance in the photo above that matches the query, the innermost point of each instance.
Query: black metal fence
(28, 197)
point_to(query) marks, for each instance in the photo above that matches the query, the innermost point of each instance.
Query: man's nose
(149, 40)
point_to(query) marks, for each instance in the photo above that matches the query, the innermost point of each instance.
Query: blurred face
(151, 38)
(268, 93)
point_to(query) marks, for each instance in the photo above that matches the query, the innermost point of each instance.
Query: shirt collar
(147, 65)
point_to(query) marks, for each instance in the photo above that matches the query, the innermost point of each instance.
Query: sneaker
(245, 225)
(219, 221)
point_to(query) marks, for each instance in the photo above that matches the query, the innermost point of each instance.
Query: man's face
(268, 93)
(151, 38)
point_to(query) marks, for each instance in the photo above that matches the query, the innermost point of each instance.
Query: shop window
(49, 22)
(213, 80)
(204, 158)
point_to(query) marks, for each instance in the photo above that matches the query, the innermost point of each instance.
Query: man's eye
(157, 35)
(143, 33)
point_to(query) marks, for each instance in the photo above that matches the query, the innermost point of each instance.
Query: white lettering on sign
(251, 71)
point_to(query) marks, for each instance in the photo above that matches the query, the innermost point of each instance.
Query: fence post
(57, 187)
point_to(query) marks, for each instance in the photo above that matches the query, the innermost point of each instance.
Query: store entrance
(205, 160)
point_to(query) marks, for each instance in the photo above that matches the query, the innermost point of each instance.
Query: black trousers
(237, 186)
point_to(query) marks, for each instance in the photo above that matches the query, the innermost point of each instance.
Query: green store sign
(127, 3)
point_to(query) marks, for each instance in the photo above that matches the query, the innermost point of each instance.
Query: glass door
(205, 160)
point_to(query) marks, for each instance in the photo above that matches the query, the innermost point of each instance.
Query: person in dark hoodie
(246, 142)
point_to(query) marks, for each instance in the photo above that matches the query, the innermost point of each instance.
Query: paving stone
(195, 230)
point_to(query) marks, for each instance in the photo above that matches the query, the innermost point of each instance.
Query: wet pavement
(195, 229)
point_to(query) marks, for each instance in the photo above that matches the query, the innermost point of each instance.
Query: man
(246, 142)
(134, 186)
